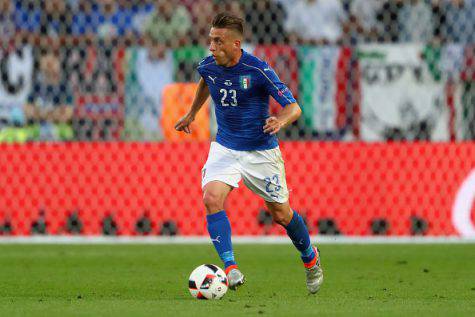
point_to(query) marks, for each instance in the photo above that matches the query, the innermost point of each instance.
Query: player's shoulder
(253, 61)
(208, 60)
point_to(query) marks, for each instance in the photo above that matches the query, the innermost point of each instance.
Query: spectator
(112, 20)
(416, 21)
(154, 70)
(141, 10)
(265, 20)
(459, 26)
(438, 17)
(82, 25)
(93, 69)
(27, 16)
(7, 20)
(459, 31)
(150, 70)
(107, 20)
(190, 4)
(364, 26)
(50, 103)
(388, 17)
(316, 22)
(55, 18)
(231, 6)
(202, 13)
(168, 24)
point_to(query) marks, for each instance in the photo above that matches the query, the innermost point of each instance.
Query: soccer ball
(208, 281)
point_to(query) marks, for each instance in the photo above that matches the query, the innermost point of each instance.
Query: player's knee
(282, 218)
(213, 201)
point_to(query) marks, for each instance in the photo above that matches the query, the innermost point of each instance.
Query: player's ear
(237, 43)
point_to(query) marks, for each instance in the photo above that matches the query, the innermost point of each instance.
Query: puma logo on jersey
(212, 79)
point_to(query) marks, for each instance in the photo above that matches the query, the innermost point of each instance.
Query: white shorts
(262, 171)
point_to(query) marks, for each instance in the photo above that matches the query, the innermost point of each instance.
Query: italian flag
(245, 82)
(324, 90)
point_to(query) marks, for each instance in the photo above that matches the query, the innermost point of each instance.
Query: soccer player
(246, 144)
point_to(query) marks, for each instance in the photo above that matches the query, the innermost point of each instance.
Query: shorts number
(276, 183)
(232, 94)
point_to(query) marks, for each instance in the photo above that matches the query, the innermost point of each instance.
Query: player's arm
(281, 93)
(285, 117)
(202, 93)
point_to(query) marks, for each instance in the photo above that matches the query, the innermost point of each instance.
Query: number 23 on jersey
(231, 101)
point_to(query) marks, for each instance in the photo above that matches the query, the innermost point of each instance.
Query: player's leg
(219, 227)
(264, 174)
(296, 230)
(298, 233)
(220, 176)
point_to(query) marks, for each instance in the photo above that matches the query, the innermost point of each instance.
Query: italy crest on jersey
(245, 81)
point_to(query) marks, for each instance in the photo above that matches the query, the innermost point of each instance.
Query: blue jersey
(241, 97)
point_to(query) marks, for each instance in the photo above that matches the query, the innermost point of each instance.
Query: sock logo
(299, 242)
(216, 239)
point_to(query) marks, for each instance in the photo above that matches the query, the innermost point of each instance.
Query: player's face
(224, 45)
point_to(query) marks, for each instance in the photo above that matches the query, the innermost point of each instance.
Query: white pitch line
(236, 239)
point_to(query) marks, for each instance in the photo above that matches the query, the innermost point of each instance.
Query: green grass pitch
(152, 280)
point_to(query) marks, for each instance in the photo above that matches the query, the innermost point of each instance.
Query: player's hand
(272, 126)
(184, 123)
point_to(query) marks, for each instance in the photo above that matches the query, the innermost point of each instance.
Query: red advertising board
(350, 183)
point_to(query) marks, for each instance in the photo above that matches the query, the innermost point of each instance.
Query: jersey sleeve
(201, 66)
(200, 70)
(275, 87)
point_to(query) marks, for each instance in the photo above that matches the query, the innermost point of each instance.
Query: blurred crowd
(62, 32)
(180, 22)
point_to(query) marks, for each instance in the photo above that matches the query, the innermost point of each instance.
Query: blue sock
(219, 230)
(297, 231)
